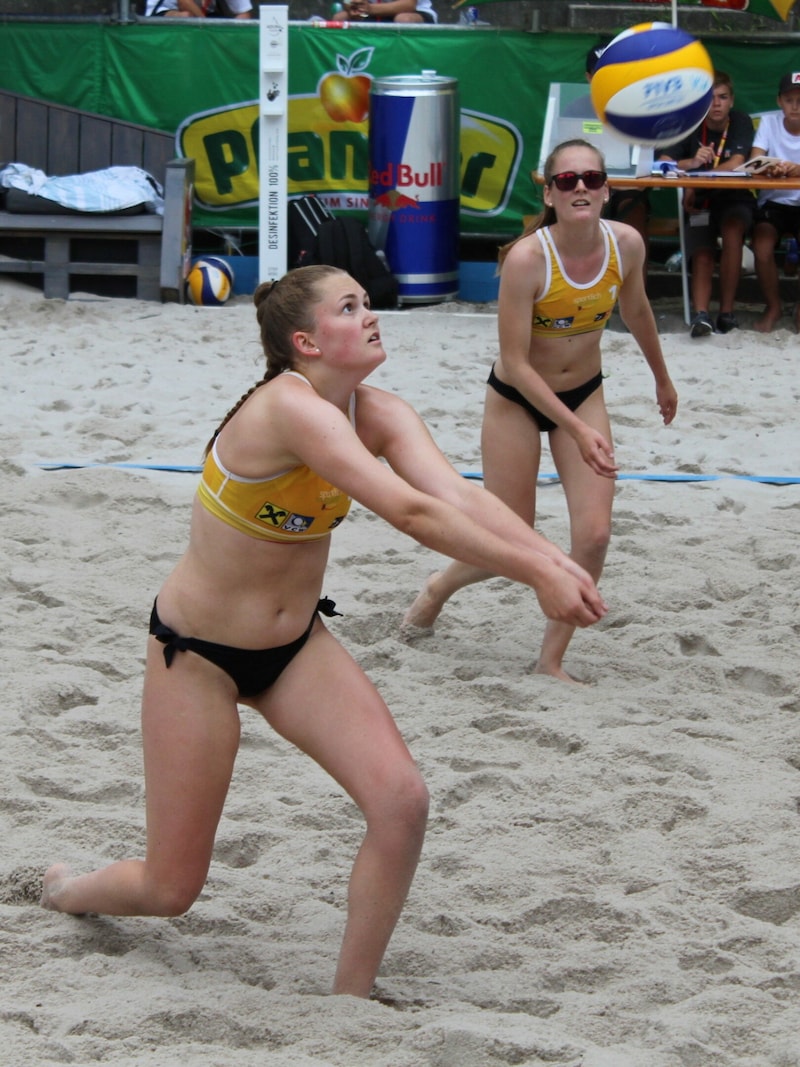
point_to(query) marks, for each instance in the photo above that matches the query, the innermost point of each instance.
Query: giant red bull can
(414, 127)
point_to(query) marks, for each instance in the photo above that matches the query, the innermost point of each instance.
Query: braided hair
(282, 308)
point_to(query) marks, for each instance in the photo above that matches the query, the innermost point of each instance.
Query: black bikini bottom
(572, 398)
(252, 669)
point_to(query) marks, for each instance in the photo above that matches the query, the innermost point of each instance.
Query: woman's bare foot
(53, 883)
(766, 324)
(557, 672)
(419, 619)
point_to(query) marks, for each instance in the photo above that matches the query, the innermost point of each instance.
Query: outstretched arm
(469, 523)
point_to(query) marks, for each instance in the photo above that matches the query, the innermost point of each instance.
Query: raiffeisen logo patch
(329, 156)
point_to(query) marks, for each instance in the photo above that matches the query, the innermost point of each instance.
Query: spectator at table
(778, 210)
(388, 11)
(722, 142)
(200, 9)
(582, 107)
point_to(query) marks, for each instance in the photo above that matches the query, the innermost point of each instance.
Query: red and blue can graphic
(414, 127)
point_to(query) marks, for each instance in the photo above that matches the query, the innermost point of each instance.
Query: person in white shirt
(778, 211)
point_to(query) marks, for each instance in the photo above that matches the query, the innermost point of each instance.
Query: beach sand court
(611, 875)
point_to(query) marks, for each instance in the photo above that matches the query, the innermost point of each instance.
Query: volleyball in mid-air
(653, 84)
(209, 282)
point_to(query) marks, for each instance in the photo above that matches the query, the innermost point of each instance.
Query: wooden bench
(153, 250)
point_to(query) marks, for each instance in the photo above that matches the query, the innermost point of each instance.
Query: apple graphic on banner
(345, 95)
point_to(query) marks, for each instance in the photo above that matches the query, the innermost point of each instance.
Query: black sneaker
(702, 325)
(726, 322)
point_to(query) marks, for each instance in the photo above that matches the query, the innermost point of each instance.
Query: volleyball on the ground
(653, 84)
(209, 282)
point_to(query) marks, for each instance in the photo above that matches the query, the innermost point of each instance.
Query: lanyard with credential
(721, 146)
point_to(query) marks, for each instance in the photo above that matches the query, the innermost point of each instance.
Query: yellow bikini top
(565, 307)
(296, 505)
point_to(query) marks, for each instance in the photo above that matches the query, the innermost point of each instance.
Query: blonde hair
(282, 308)
(547, 217)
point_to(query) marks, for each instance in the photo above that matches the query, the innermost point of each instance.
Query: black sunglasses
(568, 180)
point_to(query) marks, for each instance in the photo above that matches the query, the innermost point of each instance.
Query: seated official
(200, 9)
(389, 11)
(723, 141)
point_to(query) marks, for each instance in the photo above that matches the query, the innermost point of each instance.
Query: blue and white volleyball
(209, 282)
(653, 84)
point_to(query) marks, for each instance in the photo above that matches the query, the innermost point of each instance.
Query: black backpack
(315, 236)
(305, 216)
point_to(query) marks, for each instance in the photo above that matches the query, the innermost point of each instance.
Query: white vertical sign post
(273, 99)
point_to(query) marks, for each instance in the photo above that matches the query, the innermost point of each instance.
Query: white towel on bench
(112, 189)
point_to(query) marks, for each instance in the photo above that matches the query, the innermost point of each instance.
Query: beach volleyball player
(238, 620)
(559, 283)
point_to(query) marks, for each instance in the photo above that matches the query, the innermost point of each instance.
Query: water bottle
(791, 258)
(673, 264)
(469, 17)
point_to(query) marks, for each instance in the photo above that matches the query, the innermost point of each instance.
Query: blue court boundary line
(764, 479)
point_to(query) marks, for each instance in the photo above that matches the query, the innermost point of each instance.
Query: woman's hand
(596, 451)
(568, 594)
(667, 399)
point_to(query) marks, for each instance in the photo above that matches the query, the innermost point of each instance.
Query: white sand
(611, 876)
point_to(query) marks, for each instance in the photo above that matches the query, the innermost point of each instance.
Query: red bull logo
(403, 175)
(394, 201)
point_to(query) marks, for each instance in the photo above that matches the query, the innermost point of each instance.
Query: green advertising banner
(330, 73)
(200, 81)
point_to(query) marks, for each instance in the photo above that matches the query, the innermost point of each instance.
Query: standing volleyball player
(559, 283)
